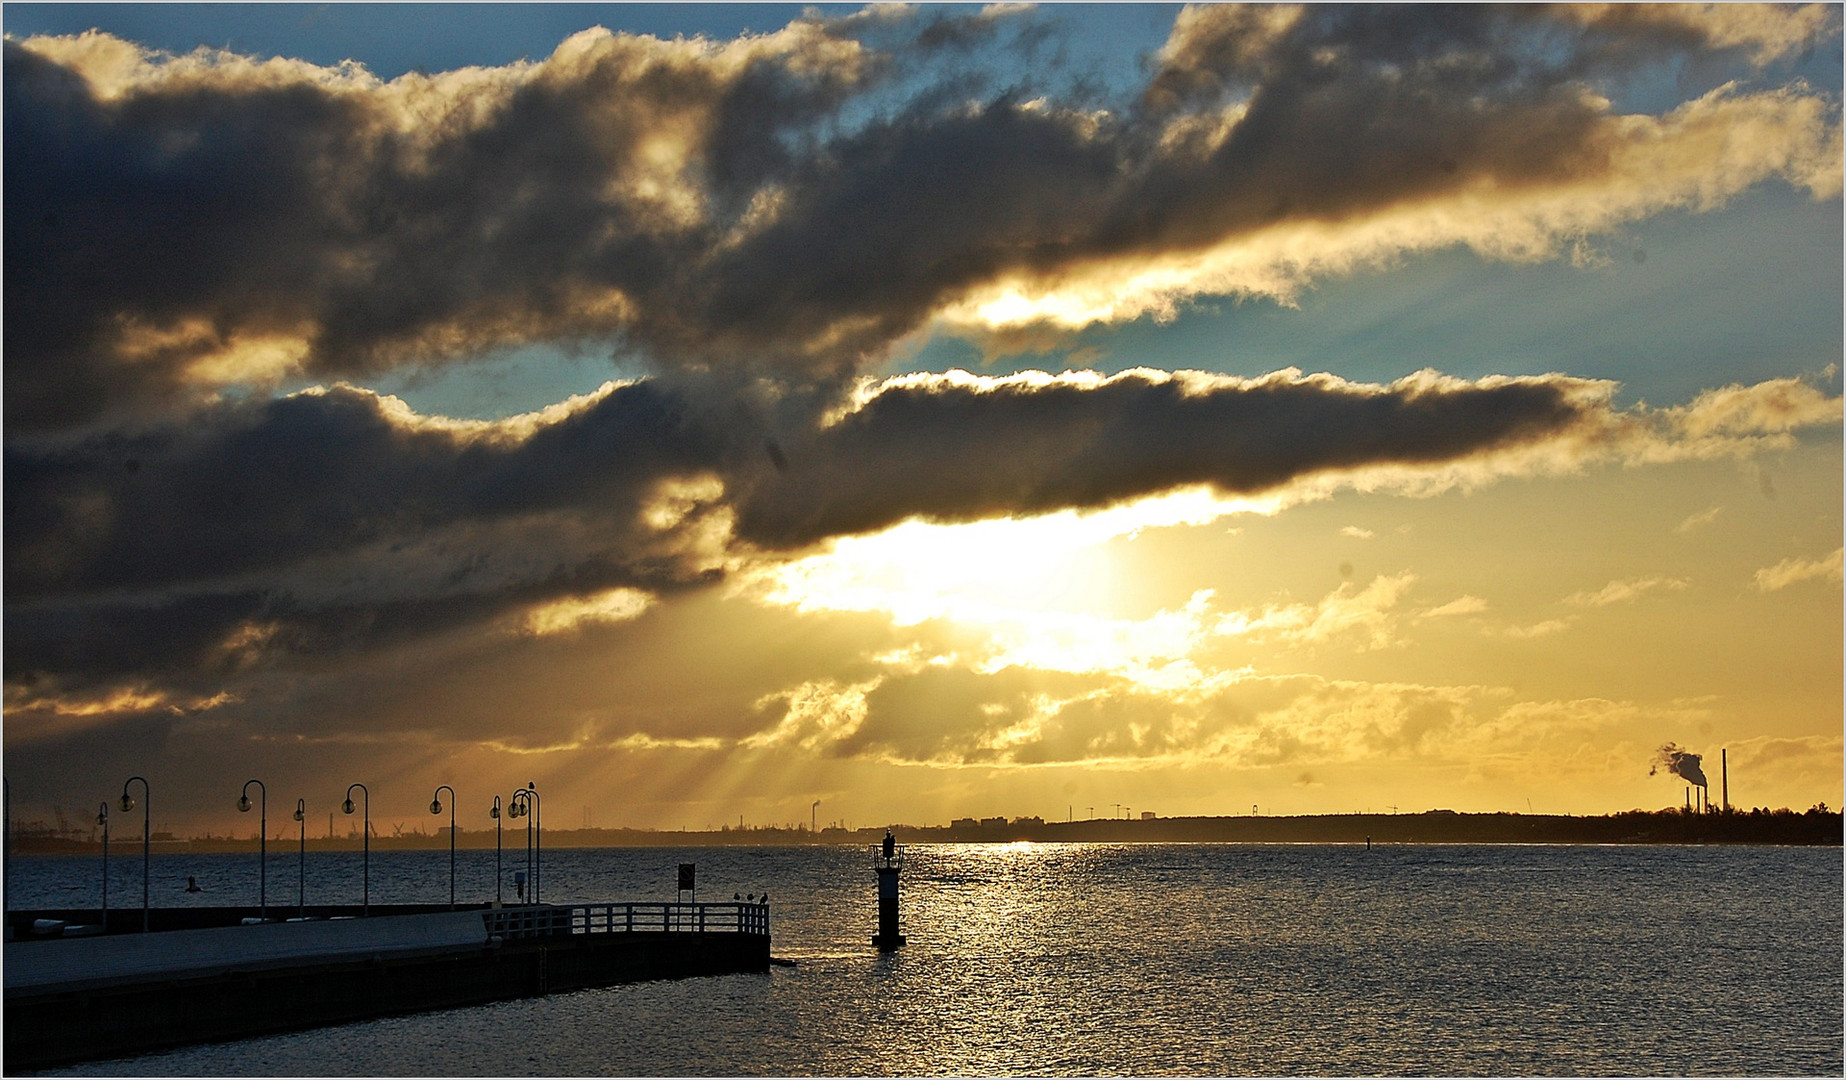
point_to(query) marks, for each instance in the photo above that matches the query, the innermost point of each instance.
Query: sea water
(1129, 959)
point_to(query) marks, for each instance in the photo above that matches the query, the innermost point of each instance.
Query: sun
(986, 571)
(1053, 592)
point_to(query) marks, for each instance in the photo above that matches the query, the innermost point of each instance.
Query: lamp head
(127, 802)
(347, 806)
(102, 814)
(243, 804)
(435, 806)
(495, 812)
(301, 810)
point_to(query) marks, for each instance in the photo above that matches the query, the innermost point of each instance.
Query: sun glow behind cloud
(1042, 592)
(1050, 594)
(985, 572)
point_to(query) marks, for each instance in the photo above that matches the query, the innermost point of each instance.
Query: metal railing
(541, 920)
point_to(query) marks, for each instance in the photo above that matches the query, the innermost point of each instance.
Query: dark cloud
(220, 201)
(958, 449)
(898, 218)
(1502, 49)
(330, 522)
(315, 522)
(253, 489)
(209, 219)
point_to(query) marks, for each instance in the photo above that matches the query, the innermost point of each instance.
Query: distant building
(1148, 815)
(993, 823)
(964, 823)
(1028, 821)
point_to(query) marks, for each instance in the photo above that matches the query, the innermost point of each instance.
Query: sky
(747, 414)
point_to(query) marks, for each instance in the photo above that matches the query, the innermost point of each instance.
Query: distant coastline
(1819, 826)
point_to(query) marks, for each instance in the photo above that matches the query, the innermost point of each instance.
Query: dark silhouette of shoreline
(1818, 826)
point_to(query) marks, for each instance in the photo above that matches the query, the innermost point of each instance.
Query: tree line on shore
(1819, 825)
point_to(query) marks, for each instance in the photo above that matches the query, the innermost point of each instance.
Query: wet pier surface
(77, 998)
(88, 962)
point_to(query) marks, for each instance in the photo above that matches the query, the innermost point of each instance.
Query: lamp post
(262, 841)
(301, 880)
(495, 814)
(538, 838)
(435, 807)
(365, 835)
(525, 801)
(102, 818)
(517, 806)
(147, 809)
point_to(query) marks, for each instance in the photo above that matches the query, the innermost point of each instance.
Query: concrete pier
(72, 999)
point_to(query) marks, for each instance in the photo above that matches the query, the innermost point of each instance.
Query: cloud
(1764, 752)
(1431, 130)
(265, 532)
(949, 715)
(1357, 533)
(1365, 612)
(1545, 628)
(561, 616)
(797, 202)
(308, 525)
(33, 718)
(1621, 592)
(813, 715)
(1793, 570)
(1762, 764)
(1461, 605)
(240, 219)
(1699, 520)
(1032, 442)
(1220, 49)
(1767, 32)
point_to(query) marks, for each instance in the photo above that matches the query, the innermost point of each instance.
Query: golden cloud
(1793, 570)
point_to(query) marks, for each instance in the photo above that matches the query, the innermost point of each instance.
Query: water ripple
(1141, 960)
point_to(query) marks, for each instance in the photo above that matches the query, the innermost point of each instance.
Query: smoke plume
(1680, 762)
